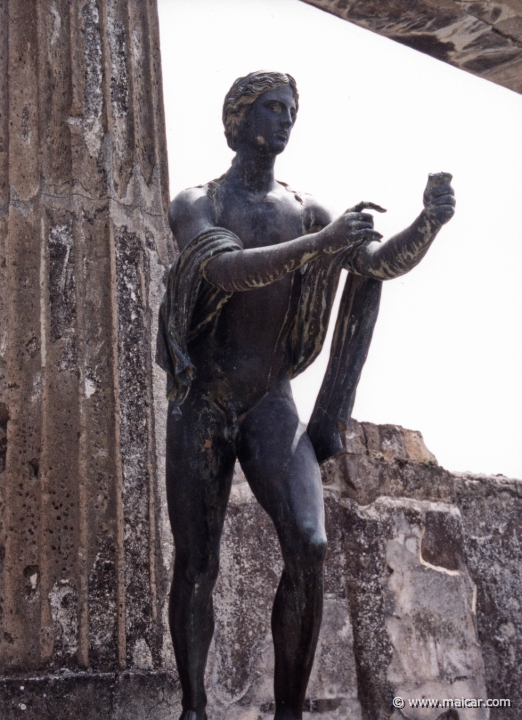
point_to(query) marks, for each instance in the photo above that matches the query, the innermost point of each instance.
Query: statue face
(269, 121)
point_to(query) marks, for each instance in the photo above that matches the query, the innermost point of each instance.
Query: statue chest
(261, 222)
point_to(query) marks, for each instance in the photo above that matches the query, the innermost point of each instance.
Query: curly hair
(245, 91)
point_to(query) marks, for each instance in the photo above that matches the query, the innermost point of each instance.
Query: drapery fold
(188, 305)
(356, 320)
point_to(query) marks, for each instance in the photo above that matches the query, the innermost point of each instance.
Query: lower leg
(191, 619)
(296, 621)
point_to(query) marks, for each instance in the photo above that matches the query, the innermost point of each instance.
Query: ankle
(287, 714)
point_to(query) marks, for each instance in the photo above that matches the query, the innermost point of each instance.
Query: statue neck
(253, 170)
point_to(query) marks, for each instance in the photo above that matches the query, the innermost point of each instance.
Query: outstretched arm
(405, 250)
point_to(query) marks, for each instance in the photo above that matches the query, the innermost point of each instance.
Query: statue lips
(281, 138)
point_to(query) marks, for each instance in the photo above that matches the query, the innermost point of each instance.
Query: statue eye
(275, 106)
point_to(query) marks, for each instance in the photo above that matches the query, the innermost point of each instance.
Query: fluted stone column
(83, 252)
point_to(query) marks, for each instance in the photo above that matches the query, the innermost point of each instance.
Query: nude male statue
(246, 310)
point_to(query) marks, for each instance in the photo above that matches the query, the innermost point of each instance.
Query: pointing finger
(366, 206)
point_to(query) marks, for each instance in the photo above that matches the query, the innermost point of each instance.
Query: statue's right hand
(351, 229)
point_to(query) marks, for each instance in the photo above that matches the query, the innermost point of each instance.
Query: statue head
(244, 92)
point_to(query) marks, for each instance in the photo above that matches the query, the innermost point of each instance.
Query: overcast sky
(375, 118)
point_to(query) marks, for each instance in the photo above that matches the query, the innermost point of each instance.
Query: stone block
(492, 517)
(413, 607)
(373, 457)
(93, 696)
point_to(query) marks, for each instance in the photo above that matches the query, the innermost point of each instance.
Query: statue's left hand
(439, 198)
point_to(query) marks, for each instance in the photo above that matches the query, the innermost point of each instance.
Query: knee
(315, 547)
(197, 570)
(308, 551)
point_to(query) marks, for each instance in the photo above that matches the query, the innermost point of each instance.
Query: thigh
(279, 463)
(200, 465)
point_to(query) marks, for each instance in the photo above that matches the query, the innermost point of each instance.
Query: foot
(193, 715)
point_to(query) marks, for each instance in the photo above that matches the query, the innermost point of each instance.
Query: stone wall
(387, 461)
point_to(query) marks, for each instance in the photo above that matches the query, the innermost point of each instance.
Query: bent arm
(398, 255)
(257, 267)
(191, 214)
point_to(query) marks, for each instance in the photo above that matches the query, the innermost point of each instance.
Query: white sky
(374, 119)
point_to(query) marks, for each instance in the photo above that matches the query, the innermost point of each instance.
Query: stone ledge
(92, 696)
(391, 460)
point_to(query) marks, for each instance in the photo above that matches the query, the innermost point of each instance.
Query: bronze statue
(246, 309)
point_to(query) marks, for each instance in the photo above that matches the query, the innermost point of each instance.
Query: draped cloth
(190, 303)
(356, 320)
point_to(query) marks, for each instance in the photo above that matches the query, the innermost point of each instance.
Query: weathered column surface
(83, 251)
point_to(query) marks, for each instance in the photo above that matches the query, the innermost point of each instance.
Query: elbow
(215, 272)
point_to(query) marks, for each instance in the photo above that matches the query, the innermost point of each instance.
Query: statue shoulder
(315, 215)
(191, 213)
(188, 202)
